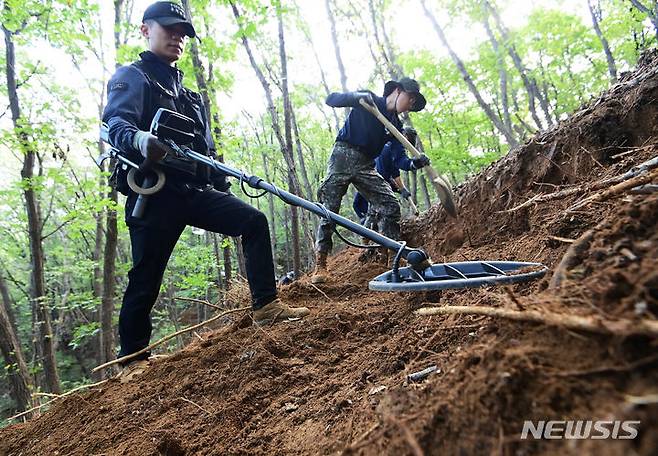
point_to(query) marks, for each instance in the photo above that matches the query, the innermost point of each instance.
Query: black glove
(404, 193)
(420, 162)
(151, 148)
(365, 96)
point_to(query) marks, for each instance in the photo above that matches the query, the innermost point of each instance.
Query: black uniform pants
(154, 236)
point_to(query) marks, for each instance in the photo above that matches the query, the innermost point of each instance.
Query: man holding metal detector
(358, 143)
(192, 193)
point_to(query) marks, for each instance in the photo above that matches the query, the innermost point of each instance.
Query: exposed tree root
(166, 338)
(590, 324)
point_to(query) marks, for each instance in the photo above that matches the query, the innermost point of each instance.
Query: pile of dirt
(337, 381)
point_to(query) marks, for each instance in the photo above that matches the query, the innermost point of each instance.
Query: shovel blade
(445, 195)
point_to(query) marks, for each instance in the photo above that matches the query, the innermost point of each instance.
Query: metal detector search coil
(467, 274)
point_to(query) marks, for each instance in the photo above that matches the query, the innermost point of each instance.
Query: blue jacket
(388, 164)
(134, 94)
(361, 128)
(392, 159)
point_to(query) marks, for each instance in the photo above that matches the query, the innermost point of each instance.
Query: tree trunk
(228, 266)
(323, 76)
(426, 193)
(242, 269)
(38, 289)
(270, 206)
(495, 120)
(502, 74)
(651, 12)
(293, 185)
(218, 259)
(529, 83)
(16, 368)
(612, 68)
(111, 242)
(334, 39)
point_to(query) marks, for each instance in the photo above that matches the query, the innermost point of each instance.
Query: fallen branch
(195, 404)
(323, 293)
(357, 443)
(590, 324)
(166, 338)
(571, 258)
(199, 301)
(56, 397)
(637, 171)
(617, 189)
(600, 370)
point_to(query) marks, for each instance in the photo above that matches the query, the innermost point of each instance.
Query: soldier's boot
(132, 370)
(320, 274)
(278, 311)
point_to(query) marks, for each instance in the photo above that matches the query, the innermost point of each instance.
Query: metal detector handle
(140, 204)
(149, 181)
(415, 257)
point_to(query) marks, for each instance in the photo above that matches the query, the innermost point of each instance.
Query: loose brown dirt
(336, 382)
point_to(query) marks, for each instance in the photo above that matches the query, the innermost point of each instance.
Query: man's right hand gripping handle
(153, 150)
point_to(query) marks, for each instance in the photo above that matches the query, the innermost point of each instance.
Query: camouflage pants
(349, 166)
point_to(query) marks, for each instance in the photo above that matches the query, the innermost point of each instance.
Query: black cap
(410, 86)
(169, 13)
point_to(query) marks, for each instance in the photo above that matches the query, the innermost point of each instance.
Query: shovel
(440, 185)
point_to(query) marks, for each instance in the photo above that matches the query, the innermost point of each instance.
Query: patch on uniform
(118, 86)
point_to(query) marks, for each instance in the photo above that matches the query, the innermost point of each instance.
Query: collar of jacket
(153, 59)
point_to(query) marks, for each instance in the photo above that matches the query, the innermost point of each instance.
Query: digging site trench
(336, 382)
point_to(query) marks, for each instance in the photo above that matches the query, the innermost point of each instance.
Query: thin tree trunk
(16, 368)
(502, 73)
(300, 158)
(334, 39)
(38, 289)
(270, 206)
(323, 76)
(495, 120)
(651, 12)
(426, 193)
(529, 83)
(111, 242)
(242, 270)
(228, 266)
(218, 259)
(285, 143)
(287, 121)
(612, 68)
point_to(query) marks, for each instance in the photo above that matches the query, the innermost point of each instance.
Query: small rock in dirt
(247, 355)
(345, 403)
(290, 407)
(376, 389)
(640, 307)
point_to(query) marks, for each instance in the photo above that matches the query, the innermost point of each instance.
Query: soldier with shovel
(352, 160)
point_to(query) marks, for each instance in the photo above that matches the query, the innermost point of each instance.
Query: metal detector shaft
(415, 257)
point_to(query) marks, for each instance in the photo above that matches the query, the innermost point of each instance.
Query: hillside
(317, 386)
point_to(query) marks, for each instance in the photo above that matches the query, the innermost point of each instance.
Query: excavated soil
(336, 381)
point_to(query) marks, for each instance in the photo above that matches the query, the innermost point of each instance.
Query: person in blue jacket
(358, 143)
(388, 164)
(192, 195)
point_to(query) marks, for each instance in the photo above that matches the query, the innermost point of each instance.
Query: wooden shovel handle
(442, 188)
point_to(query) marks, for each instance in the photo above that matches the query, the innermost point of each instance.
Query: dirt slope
(316, 386)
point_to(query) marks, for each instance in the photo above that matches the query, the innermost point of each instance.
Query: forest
(496, 74)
